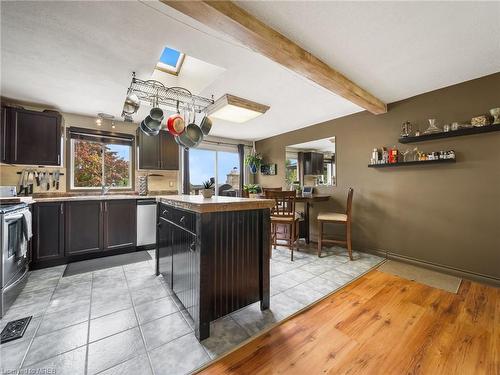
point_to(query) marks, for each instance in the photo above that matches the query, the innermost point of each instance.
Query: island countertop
(199, 204)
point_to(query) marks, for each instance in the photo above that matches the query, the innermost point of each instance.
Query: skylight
(170, 61)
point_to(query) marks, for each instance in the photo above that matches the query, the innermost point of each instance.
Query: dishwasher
(146, 223)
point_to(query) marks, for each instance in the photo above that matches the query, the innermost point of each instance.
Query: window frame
(100, 137)
(217, 149)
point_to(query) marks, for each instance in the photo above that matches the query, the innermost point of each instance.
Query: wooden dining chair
(283, 213)
(337, 218)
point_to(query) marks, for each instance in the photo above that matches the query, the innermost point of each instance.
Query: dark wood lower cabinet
(84, 230)
(76, 230)
(119, 224)
(48, 232)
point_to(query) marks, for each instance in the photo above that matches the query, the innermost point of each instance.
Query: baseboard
(437, 267)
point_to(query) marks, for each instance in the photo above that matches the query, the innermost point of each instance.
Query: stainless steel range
(14, 234)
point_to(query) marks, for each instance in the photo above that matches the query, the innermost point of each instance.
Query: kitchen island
(214, 254)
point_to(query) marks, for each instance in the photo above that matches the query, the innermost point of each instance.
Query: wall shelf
(407, 163)
(451, 133)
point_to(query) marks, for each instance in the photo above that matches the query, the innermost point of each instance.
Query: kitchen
(164, 211)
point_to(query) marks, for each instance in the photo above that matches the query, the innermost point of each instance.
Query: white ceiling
(78, 56)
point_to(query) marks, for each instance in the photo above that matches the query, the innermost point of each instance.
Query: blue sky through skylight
(170, 57)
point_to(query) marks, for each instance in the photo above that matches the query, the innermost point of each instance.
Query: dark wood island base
(214, 254)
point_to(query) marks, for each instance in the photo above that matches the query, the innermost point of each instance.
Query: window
(222, 167)
(170, 61)
(291, 174)
(98, 160)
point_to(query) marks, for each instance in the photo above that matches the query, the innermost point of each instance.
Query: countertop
(199, 204)
(77, 197)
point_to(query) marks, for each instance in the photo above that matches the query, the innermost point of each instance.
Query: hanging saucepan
(147, 130)
(132, 104)
(152, 124)
(192, 136)
(175, 123)
(206, 125)
(156, 113)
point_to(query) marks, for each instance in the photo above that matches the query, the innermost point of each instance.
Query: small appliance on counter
(307, 191)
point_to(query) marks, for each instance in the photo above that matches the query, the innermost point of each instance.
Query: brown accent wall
(445, 214)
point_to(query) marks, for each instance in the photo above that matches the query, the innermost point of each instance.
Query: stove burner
(15, 329)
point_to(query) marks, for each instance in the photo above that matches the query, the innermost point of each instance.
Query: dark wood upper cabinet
(158, 152)
(313, 163)
(169, 152)
(119, 224)
(35, 137)
(148, 151)
(4, 136)
(84, 229)
(48, 231)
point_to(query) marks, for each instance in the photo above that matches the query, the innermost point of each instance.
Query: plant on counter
(253, 161)
(208, 189)
(252, 189)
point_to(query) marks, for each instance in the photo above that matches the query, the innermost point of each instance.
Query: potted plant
(253, 160)
(208, 190)
(252, 190)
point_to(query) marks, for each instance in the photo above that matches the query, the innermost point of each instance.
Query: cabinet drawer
(181, 218)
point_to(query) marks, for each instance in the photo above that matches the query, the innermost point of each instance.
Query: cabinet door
(83, 227)
(4, 136)
(185, 266)
(165, 242)
(148, 151)
(169, 152)
(35, 137)
(48, 231)
(119, 224)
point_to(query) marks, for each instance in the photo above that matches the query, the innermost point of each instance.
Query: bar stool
(283, 213)
(336, 218)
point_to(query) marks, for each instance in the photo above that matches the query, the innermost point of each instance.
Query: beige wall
(446, 214)
(167, 181)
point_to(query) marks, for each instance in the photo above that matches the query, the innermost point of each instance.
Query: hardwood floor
(381, 324)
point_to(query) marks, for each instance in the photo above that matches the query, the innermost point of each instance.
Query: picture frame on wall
(268, 169)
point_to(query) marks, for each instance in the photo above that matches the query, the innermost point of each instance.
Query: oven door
(12, 247)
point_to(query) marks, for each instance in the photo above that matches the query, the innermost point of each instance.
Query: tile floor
(123, 320)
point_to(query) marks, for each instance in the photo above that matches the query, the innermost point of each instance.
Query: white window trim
(72, 171)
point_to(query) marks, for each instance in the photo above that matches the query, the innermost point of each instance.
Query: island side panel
(206, 233)
(231, 261)
(265, 254)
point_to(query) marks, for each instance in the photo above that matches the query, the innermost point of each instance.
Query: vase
(207, 193)
(253, 168)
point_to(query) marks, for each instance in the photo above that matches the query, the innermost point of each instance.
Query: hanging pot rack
(155, 92)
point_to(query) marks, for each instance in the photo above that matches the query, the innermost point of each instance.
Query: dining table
(307, 200)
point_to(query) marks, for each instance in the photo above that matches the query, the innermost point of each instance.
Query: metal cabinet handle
(164, 212)
(62, 210)
(182, 220)
(192, 247)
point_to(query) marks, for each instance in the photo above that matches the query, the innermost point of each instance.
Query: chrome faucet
(105, 189)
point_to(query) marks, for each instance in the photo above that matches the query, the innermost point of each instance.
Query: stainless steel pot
(192, 136)
(132, 104)
(147, 130)
(206, 125)
(156, 114)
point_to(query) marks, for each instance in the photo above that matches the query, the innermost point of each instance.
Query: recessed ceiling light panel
(234, 109)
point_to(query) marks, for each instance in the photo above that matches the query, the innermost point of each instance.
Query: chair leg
(292, 239)
(349, 245)
(320, 237)
(274, 236)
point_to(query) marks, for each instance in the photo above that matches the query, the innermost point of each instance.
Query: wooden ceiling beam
(228, 18)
